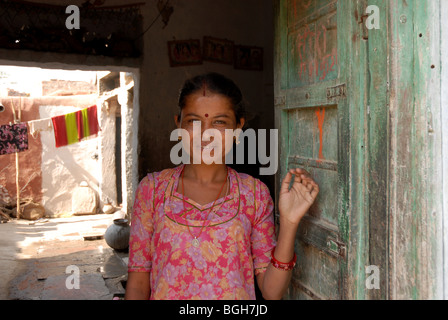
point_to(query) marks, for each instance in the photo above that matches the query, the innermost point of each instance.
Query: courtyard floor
(60, 259)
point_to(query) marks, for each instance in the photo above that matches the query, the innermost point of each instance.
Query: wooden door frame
(415, 155)
(444, 131)
(397, 217)
(397, 163)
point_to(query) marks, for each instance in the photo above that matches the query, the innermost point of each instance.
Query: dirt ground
(45, 260)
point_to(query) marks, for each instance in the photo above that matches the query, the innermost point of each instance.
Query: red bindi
(206, 115)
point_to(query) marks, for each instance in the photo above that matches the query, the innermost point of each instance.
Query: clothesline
(68, 129)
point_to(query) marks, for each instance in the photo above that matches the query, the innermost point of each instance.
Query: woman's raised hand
(294, 202)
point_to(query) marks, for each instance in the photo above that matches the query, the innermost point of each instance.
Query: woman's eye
(220, 122)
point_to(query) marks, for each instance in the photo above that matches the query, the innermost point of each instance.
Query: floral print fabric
(13, 138)
(234, 244)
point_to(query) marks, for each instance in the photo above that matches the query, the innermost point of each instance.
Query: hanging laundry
(60, 131)
(87, 121)
(92, 116)
(37, 126)
(74, 127)
(13, 138)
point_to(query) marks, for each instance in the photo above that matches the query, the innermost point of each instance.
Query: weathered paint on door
(310, 107)
(358, 109)
(415, 169)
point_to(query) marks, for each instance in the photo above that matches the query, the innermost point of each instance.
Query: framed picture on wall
(184, 52)
(218, 50)
(248, 58)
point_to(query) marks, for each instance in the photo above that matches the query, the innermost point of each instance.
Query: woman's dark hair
(218, 84)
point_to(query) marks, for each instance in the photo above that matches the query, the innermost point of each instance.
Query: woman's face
(210, 111)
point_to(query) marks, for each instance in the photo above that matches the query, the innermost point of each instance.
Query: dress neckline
(206, 206)
(173, 203)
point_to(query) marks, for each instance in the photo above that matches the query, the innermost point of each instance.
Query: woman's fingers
(302, 177)
(302, 180)
(286, 182)
(299, 171)
(315, 190)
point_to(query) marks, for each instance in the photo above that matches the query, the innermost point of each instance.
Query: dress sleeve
(142, 227)
(263, 238)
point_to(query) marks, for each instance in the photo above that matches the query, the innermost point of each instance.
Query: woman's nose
(206, 125)
(210, 132)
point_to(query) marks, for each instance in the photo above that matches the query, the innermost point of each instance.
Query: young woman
(203, 231)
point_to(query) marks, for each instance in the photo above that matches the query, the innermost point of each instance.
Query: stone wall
(67, 88)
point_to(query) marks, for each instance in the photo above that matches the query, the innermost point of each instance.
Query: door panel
(312, 46)
(314, 285)
(311, 108)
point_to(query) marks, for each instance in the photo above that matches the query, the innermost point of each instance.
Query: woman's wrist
(285, 266)
(287, 224)
(285, 241)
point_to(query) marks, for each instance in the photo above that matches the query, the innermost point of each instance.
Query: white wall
(64, 168)
(129, 141)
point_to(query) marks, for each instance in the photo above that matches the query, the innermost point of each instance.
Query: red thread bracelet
(281, 265)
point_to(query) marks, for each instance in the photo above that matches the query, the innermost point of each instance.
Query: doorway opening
(106, 162)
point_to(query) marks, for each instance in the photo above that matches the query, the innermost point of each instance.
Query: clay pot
(117, 234)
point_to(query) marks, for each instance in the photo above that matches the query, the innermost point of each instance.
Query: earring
(237, 141)
(179, 138)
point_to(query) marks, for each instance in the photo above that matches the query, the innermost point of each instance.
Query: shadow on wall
(66, 167)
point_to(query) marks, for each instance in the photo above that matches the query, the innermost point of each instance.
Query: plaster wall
(66, 167)
(246, 22)
(129, 141)
(107, 190)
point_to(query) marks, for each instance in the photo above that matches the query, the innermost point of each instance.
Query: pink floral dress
(234, 244)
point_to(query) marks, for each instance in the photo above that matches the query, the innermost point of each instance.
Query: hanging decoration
(248, 58)
(218, 50)
(184, 52)
(189, 52)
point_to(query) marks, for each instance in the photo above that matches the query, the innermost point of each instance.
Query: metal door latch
(336, 247)
(336, 92)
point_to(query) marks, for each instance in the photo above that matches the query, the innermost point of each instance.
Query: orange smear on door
(320, 122)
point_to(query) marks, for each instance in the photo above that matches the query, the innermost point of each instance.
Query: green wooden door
(321, 91)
